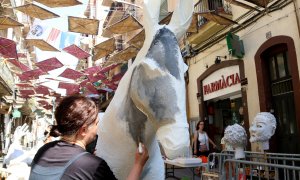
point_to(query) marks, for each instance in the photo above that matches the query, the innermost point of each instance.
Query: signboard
(235, 45)
(221, 82)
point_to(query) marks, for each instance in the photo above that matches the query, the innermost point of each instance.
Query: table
(175, 163)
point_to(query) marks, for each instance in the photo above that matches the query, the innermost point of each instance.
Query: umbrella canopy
(77, 52)
(35, 11)
(42, 90)
(19, 65)
(124, 55)
(59, 3)
(71, 88)
(33, 74)
(126, 24)
(8, 48)
(83, 25)
(92, 70)
(71, 74)
(7, 22)
(41, 44)
(138, 40)
(104, 48)
(49, 64)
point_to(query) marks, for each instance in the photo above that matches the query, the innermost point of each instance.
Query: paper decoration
(8, 48)
(77, 52)
(49, 64)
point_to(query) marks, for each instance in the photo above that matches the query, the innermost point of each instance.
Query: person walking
(77, 121)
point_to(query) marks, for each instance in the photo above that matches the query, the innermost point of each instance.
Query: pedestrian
(201, 141)
(77, 121)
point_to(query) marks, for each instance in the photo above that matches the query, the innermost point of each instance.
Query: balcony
(212, 15)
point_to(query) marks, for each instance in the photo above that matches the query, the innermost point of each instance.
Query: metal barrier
(216, 160)
(240, 169)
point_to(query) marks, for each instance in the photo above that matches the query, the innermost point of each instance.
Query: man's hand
(20, 132)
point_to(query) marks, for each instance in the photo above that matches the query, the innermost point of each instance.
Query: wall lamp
(218, 59)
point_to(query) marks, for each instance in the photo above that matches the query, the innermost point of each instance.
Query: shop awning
(261, 3)
(7, 22)
(77, 52)
(104, 48)
(126, 24)
(59, 3)
(35, 11)
(49, 64)
(83, 25)
(124, 55)
(138, 40)
(212, 16)
(71, 74)
(8, 48)
(41, 44)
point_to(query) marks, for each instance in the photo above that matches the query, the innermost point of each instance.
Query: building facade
(225, 88)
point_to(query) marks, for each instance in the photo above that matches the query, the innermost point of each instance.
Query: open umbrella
(71, 74)
(49, 64)
(77, 52)
(8, 48)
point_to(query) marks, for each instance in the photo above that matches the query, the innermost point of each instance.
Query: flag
(66, 40)
(38, 30)
(53, 36)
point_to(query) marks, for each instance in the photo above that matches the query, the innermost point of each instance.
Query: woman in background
(201, 141)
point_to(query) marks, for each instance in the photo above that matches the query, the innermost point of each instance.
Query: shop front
(222, 100)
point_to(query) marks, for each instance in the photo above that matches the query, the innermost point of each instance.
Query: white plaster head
(236, 136)
(263, 127)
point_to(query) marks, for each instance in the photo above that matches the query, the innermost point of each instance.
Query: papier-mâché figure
(149, 104)
(262, 129)
(236, 137)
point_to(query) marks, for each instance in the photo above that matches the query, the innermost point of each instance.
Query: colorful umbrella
(33, 74)
(18, 64)
(8, 48)
(71, 74)
(77, 52)
(49, 64)
(71, 88)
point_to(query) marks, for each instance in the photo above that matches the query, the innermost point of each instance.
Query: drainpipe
(297, 14)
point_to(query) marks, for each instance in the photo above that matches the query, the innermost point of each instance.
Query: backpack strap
(71, 161)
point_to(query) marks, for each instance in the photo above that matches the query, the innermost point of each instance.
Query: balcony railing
(217, 6)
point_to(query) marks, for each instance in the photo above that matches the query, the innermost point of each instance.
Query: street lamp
(199, 98)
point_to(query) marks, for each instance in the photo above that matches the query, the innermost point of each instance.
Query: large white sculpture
(236, 137)
(262, 129)
(149, 104)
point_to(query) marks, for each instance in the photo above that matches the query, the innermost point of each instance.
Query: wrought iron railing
(217, 6)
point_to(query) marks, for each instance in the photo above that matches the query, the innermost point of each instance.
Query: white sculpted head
(236, 136)
(263, 128)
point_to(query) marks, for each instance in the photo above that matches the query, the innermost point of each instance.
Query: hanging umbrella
(33, 74)
(8, 48)
(19, 65)
(35, 11)
(71, 74)
(71, 88)
(125, 25)
(42, 90)
(59, 3)
(92, 70)
(83, 25)
(41, 44)
(77, 52)
(104, 48)
(49, 64)
(7, 22)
